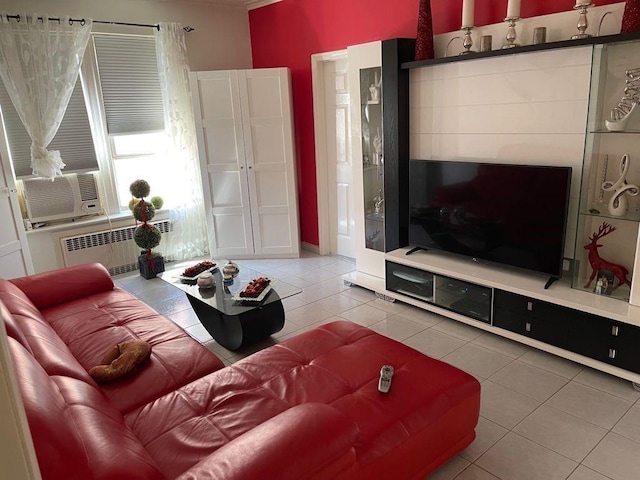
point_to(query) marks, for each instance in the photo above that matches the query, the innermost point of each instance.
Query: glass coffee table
(233, 323)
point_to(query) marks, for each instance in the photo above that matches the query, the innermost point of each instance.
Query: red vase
(631, 17)
(424, 38)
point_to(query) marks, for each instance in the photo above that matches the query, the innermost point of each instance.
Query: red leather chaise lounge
(306, 408)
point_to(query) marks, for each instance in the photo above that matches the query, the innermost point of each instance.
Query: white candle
(513, 8)
(467, 13)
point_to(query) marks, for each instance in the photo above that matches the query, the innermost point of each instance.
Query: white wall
(221, 39)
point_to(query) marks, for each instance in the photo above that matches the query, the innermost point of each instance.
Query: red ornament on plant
(631, 16)
(599, 263)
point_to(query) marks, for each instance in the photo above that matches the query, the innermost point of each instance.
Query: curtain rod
(188, 28)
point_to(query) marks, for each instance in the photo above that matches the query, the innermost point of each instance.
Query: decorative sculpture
(424, 40)
(619, 204)
(599, 263)
(622, 112)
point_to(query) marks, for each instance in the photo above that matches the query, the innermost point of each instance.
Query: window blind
(73, 139)
(128, 71)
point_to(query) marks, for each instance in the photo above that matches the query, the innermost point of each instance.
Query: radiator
(115, 249)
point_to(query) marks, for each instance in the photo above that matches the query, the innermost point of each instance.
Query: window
(73, 139)
(122, 96)
(132, 99)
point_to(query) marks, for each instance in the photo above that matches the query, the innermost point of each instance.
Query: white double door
(245, 139)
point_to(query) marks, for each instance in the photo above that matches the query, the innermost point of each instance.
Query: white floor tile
(551, 363)
(458, 329)
(516, 458)
(487, 434)
(433, 343)
(365, 315)
(584, 473)
(501, 345)
(608, 383)
(505, 407)
(337, 304)
(473, 472)
(422, 317)
(592, 405)
(359, 293)
(397, 328)
(307, 315)
(391, 307)
(449, 470)
(561, 432)
(529, 380)
(629, 425)
(615, 457)
(477, 360)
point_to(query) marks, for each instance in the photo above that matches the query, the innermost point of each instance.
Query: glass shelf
(372, 161)
(603, 152)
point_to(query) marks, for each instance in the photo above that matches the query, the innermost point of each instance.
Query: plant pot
(150, 266)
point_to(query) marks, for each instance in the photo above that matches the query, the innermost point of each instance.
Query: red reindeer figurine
(598, 263)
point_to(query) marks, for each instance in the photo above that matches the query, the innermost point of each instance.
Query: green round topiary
(157, 202)
(147, 236)
(139, 188)
(144, 211)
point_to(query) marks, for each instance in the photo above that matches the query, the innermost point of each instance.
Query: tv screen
(509, 214)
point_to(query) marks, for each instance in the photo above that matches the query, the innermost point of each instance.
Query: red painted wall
(287, 33)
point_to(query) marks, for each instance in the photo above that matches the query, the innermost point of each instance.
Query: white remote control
(386, 374)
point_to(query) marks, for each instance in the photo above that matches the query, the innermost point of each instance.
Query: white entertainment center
(539, 105)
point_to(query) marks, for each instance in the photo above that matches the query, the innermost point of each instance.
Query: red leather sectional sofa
(306, 408)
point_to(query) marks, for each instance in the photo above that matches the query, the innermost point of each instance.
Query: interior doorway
(334, 169)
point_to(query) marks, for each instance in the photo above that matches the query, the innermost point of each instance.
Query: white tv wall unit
(569, 321)
(594, 330)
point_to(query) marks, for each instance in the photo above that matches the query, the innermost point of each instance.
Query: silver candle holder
(467, 41)
(511, 32)
(583, 21)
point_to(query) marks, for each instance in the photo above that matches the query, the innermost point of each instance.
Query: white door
(15, 258)
(338, 158)
(268, 134)
(218, 117)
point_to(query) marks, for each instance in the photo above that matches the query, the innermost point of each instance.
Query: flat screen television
(509, 214)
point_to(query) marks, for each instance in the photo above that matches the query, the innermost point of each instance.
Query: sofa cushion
(26, 324)
(77, 434)
(336, 364)
(92, 325)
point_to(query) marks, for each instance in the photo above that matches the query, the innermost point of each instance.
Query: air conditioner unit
(68, 196)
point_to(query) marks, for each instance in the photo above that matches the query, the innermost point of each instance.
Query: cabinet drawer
(531, 307)
(606, 340)
(553, 332)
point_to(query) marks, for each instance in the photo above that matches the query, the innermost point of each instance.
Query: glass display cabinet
(609, 213)
(372, 156)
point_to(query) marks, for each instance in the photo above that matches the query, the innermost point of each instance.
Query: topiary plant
(146, 235)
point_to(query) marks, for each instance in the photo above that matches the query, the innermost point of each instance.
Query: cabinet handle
(530, 306)
(250, 167)
(527, 327)
(615, 330)
(612, 353)
(241, 167)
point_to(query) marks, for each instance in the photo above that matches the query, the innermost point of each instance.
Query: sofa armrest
(48, 289)
(311, 440)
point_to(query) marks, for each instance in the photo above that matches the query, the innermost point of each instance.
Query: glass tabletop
(221, 295)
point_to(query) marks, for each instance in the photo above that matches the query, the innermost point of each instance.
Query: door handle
(527, 326)
(530, 306)
(615, 330)
(612, 353)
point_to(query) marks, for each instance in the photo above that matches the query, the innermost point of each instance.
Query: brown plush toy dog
(121, 361)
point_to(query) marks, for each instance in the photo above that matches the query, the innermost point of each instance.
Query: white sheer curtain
(189, 236)
(39, 64)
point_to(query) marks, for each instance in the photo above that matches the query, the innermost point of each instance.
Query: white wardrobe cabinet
(245, 141)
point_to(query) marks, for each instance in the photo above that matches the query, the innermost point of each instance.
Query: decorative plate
(259, 298)
(195, 279)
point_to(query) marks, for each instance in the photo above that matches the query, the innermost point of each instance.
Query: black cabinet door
(553, 332)
(606, 340)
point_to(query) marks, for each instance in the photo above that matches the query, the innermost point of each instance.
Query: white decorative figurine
(619, 204)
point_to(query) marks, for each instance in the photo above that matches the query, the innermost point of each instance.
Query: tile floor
(541, 418)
